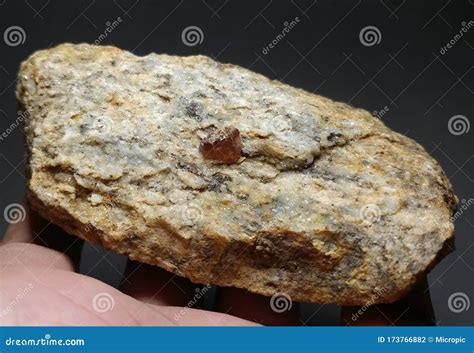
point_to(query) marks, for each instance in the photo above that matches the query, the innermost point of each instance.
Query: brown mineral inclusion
(223, 145)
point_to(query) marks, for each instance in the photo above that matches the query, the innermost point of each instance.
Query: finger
(21, 226)
(35, 242)
(191, 317)
(153, 285)
(66, 298)
(413, 309)
(35, 229)
(256, 308)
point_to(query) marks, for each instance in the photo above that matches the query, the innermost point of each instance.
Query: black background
(406, 72)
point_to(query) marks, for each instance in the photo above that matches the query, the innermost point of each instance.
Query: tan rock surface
(326, 204)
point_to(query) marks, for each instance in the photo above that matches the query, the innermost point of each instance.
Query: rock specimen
(314, 199)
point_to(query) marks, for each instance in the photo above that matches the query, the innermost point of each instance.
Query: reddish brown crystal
(223, 145)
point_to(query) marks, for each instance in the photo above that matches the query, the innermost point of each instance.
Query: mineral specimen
(327, 204)
(222, 145)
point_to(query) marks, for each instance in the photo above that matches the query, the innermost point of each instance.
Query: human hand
(41, 286)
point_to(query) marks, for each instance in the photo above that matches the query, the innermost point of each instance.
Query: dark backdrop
(402, 74)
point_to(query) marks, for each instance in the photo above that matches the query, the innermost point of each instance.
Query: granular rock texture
(325, 203)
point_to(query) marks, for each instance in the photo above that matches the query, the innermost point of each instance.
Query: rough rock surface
(326, 204)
